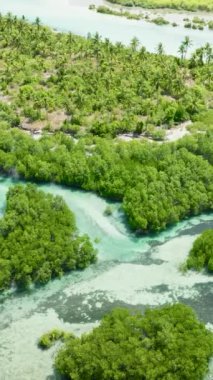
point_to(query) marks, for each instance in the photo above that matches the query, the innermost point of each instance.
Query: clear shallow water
(131, 271)
(74, 15)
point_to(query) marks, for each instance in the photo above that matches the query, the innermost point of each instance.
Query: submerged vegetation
(198, 23)
(166, 343)
(201, 254)
(189, 5)
(109, 11)
(129, 15)
(39, 239)
(195, 23)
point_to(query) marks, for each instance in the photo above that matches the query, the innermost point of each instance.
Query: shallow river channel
(131, 271)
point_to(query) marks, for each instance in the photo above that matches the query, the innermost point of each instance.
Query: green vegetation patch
(201, 254)
(88, 86)
(109, 11)
(157, 184)
(189, 5)
(48, 339)
(166, 343)
(96, 90)
(39, 239)
(202, 122)
(128, 15)
(160, 21)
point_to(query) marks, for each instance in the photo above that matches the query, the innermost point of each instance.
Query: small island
(201, 254)
(39, 239)
(164, 343)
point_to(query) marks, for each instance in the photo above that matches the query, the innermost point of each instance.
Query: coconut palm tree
(134, 43)
(38, 22)
(208, 53)
(160, 49)
(181, 50)
(185, 45)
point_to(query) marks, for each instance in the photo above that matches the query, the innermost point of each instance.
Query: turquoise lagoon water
(74, 15)
(131, 271)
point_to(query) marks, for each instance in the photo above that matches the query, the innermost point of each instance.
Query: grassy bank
(189, 5)
(129, 15)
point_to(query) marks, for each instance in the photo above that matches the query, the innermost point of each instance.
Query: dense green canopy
(88, 87)
(201, 254)
(62, 81)
(163, 344)
(39, 239)
(158, 184)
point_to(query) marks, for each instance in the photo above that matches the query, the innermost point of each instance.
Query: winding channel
(131, 271)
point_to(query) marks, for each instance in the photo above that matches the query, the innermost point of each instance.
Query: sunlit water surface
(131, 271)
(74, 15)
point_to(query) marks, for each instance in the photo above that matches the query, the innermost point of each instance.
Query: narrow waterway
(74, 15)
(131, 271)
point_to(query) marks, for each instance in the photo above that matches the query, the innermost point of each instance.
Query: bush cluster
(39, 239)
(167, 343)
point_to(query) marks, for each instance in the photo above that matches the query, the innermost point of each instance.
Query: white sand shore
(172, 134)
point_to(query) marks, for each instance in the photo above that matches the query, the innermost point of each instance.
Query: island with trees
(86, 93)
(201, 254)
(93, 115)
(163, 343)
(158, 184)
(39, 239)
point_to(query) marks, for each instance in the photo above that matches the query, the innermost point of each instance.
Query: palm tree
(134, 43)
(142, 52)
(181, 50)
(70, 39)
(185, 45)
(38, 22)
(208, 52)
(9, 20)
(97, 38)
(160, 49)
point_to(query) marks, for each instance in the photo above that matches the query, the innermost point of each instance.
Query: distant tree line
(189, 5)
